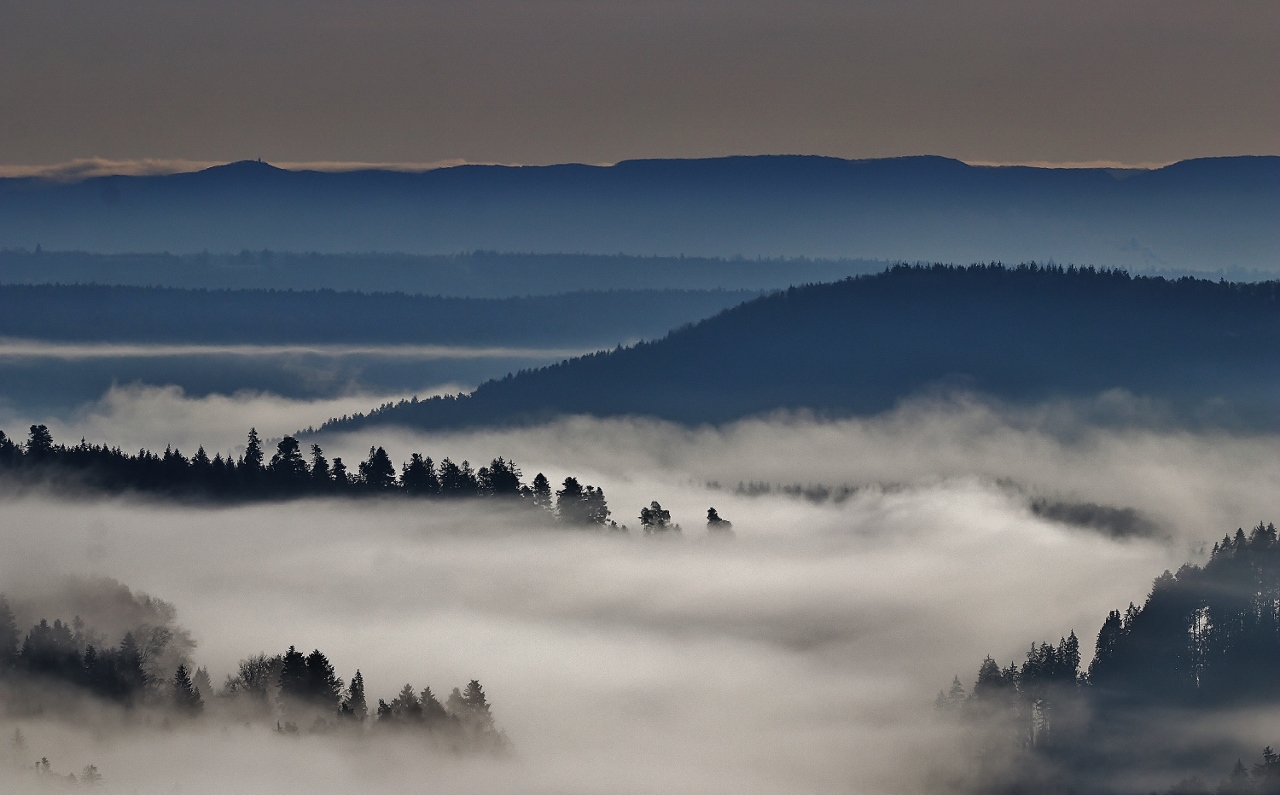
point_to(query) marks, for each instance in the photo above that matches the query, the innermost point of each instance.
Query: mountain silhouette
(861, 345)
(1206, 214)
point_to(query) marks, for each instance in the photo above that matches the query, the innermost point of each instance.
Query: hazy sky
(536, 81)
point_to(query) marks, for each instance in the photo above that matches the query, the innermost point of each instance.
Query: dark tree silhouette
(341, 479)
(251, 461)
(716, 524)
(293, 676)
(541, 492)
(8, 637)
(353, 705)
(419, 476)
(476, 706)
(51, 650)
(404, 710)
(433, 712)
(39, 443)
(377, 472)
(501, 478)
(322, 687)
(457, 480)
(288, 470)
(656, 519)
(321, 476)
(1205, 640)
(186, 698)
(288, 476)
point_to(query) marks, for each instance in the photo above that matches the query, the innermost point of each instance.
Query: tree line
(290, 474)
(299, 692)
(1206, 640)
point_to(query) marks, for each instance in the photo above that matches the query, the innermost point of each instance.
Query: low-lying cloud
(801, 655)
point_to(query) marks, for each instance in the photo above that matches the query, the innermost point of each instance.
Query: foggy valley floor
(803, 654)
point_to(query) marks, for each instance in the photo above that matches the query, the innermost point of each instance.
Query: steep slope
(862, 344)
(1203, 214)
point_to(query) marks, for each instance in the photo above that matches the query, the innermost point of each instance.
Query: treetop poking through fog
(1211, 350)
(86, 469)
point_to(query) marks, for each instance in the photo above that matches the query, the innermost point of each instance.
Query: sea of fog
(801, 655)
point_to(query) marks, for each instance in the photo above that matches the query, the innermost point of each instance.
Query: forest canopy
(1204, 643)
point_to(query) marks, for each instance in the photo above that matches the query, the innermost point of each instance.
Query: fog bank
(801, 655)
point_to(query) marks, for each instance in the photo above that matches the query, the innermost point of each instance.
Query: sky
(144, 84)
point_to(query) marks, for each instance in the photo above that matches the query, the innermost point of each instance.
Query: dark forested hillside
(1200, 215)
(141, 314)
(1157, 695)
(862, 344)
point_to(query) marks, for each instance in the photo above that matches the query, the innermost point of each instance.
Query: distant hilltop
(1206, 215)
(1203, 350)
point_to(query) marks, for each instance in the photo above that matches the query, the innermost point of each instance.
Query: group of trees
(288, 474)
(251, 476)
(304, 690)
(1207, 639)
(293, 689)
(69, 653)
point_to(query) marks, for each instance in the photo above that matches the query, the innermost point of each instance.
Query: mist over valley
(697, 398)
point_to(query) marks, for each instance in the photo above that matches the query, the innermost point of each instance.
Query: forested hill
(92, 313)
(1154, 704)
(862, 344)
(1195, 215)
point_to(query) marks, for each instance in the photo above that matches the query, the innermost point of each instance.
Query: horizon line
(91, 167)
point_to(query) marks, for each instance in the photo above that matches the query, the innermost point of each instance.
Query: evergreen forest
(289, 474)
(61, 667)
(1203, 645)
(1206, 350)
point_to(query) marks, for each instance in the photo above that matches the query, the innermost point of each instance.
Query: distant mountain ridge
(1198, 214)
(94, 313)
(1209, 350)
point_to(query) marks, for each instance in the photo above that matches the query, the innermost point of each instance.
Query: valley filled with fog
(871, 560)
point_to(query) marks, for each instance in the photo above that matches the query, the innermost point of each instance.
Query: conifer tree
(477, 705)
(252, 460)
(8, 636)
(542, 491)
(321, 477)
(129, 663)
(39, 443)
(288, 469)
(432, 710)
(354, 706)
(200, 463)
(293, 675)
(377, 472)
(417, 477)
(341, 479)
(569, 501)
(186, 698)
(323, 688)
